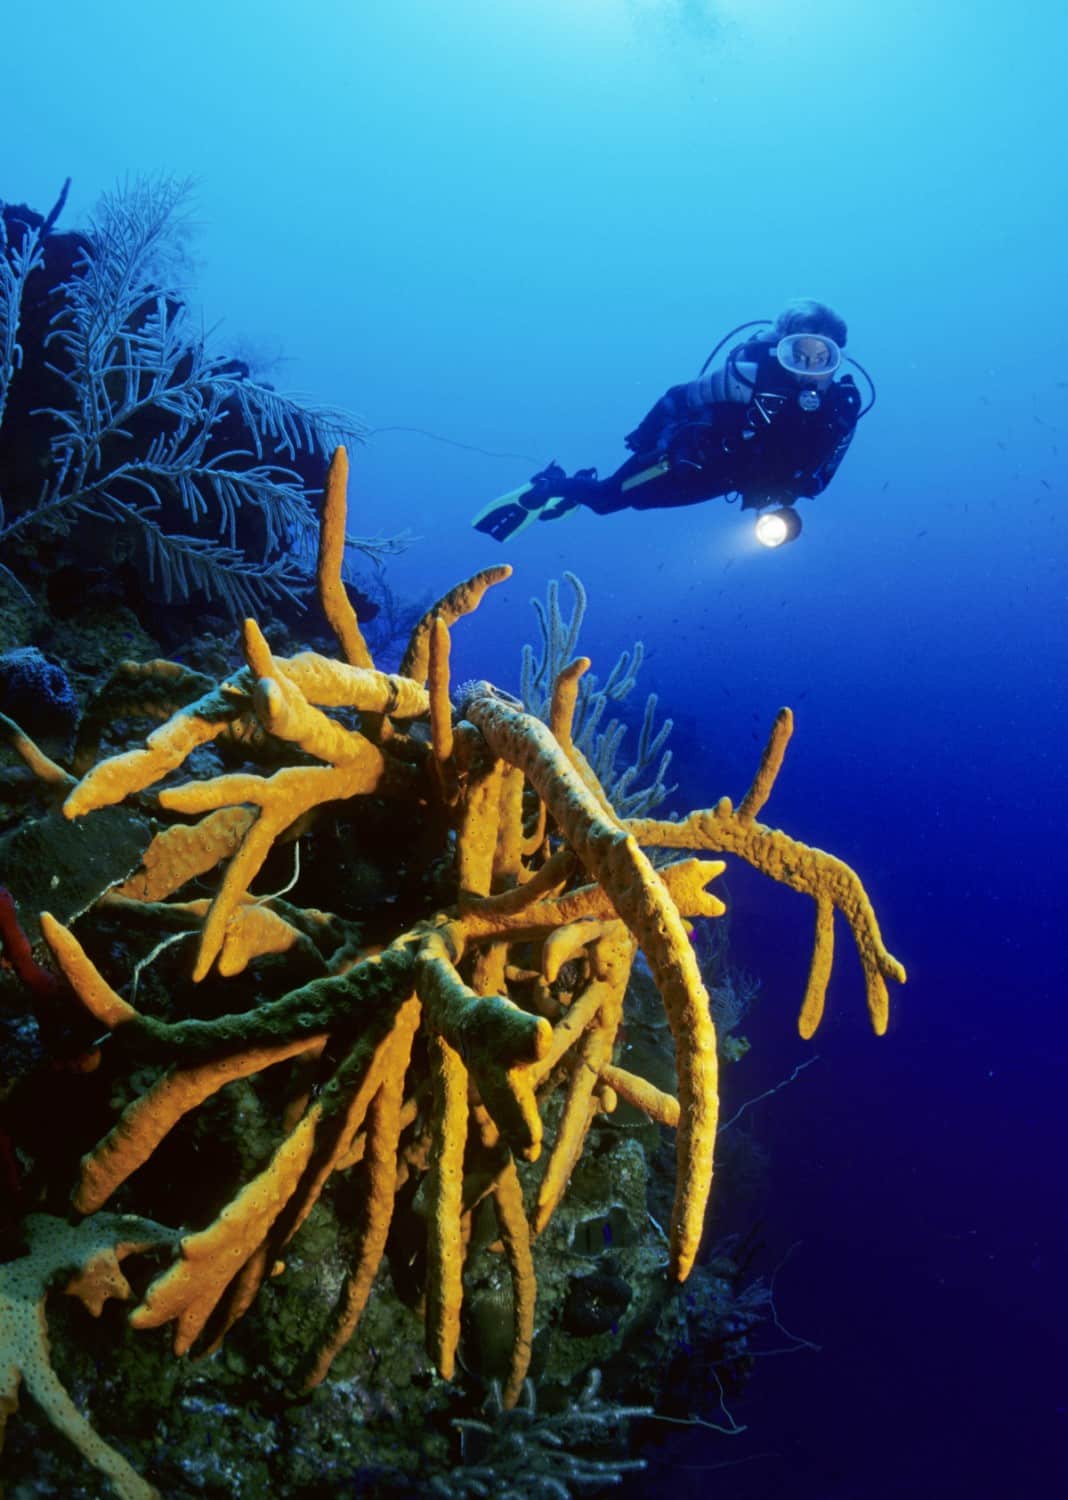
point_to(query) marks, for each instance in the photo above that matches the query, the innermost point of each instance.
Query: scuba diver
(771, 424)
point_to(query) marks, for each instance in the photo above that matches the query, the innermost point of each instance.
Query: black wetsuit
(768, 449)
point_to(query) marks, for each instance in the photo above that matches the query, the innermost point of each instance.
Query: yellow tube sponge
(831, 883)
(461, 600)
(497, 1041)
(640, 898)
(337, 606)
(445, 1250)
(165, 748)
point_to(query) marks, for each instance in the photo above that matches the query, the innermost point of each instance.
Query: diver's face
(811, 353)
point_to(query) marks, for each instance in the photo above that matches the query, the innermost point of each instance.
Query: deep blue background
(514, 225)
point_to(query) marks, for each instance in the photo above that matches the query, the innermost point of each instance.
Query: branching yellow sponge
(439, 1053)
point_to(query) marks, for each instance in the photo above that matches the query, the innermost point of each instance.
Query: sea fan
(155, 435)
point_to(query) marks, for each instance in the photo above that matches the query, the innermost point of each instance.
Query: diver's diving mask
(812, 359)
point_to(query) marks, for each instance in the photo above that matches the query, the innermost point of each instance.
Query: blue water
(514, 225)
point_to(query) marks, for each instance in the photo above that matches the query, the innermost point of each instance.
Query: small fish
(1045, 484)
(919, 534)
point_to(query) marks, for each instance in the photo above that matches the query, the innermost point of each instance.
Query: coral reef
(442, 1029)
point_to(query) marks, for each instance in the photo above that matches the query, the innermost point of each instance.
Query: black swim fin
(508, 515)
(538, 499)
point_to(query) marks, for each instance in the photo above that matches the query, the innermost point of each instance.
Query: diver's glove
(559, 505)
(544, 486)
(760, 499)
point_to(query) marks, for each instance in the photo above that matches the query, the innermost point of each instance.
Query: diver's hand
(556, 508)
(762, 498)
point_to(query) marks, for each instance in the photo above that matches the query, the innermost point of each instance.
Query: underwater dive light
(776, 527)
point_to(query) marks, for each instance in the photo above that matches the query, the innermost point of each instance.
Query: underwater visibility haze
(467, 242)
